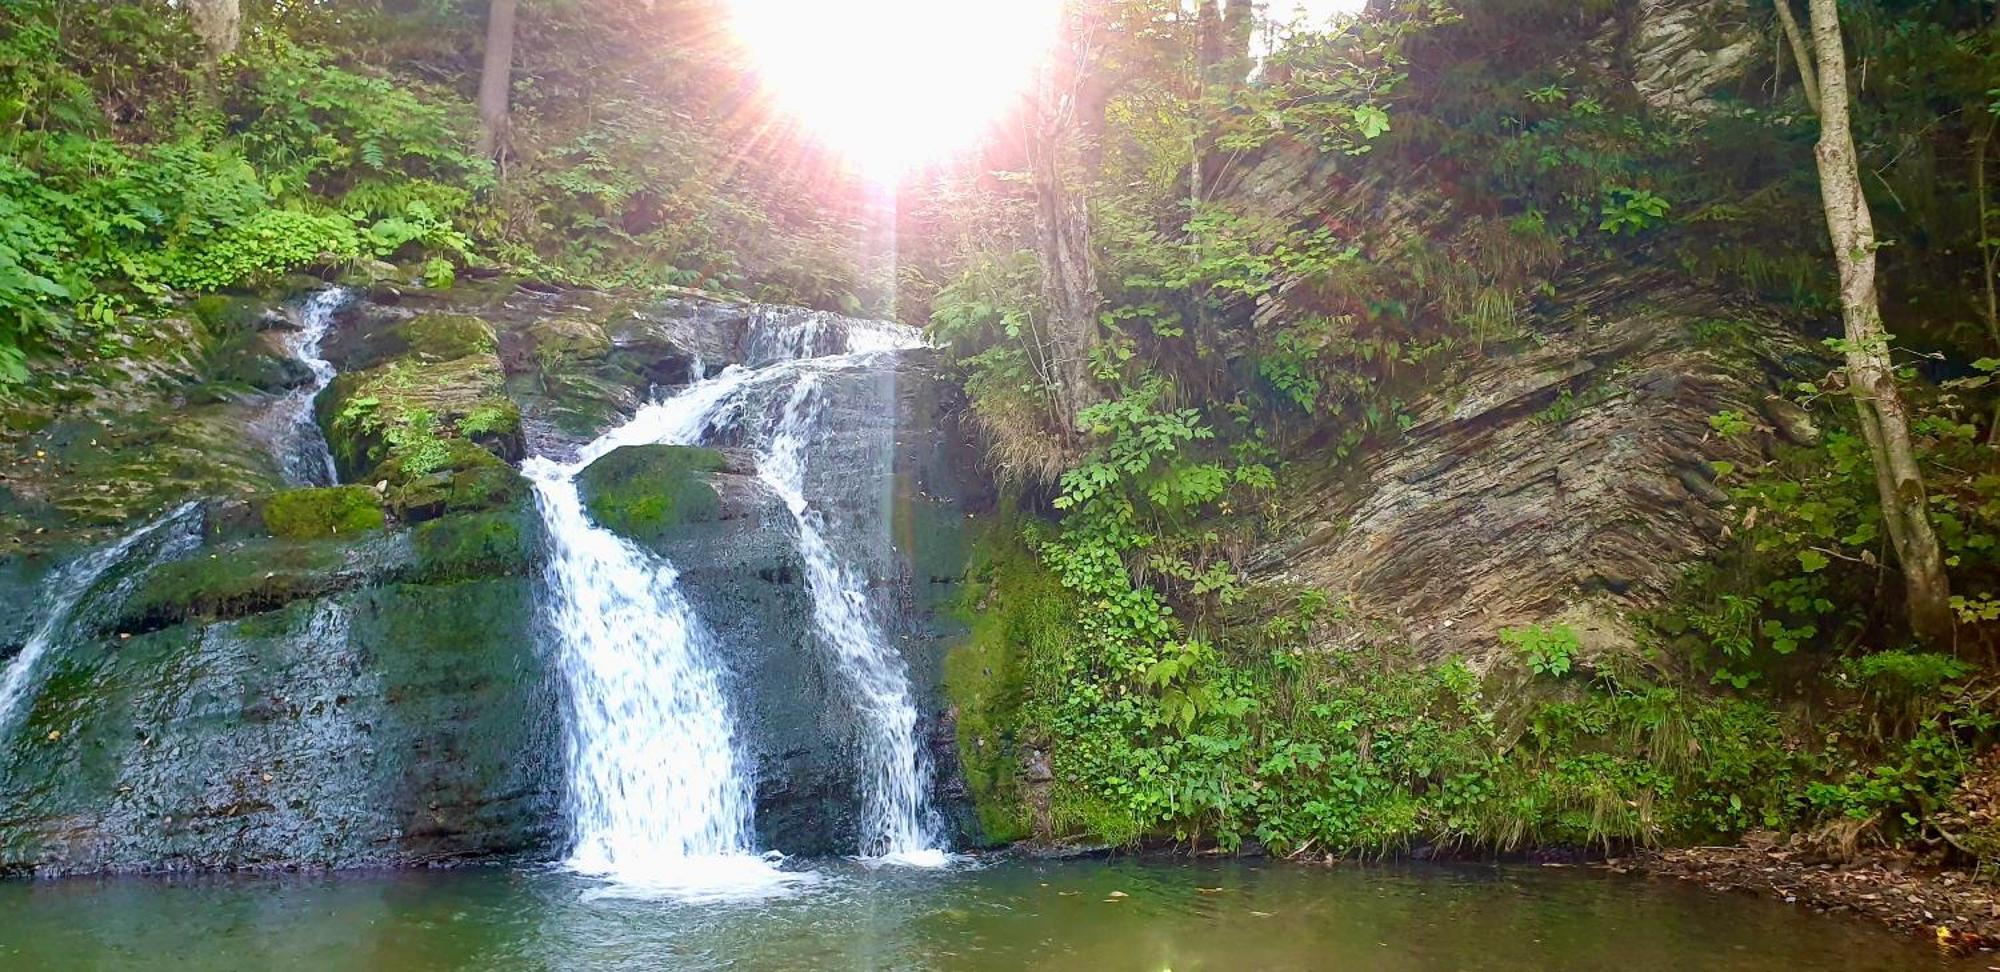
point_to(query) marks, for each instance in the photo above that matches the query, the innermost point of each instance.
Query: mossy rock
(505, 543)
(561, 340)
(408, 406)
(225, 316)
(447, 337)
(242, 580)
(253, 359)
(309, 514)
(1020, 618)
(644, 492)
(452, 476)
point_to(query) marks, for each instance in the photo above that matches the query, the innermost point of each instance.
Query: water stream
(303, 457)
(660, 795)
(290, 424)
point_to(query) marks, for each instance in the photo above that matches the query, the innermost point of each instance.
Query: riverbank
(1949, 906)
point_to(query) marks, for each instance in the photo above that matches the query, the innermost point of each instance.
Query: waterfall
(896, 773)
(66, 592)
(658, 793)
(659, 800)
(290, 425)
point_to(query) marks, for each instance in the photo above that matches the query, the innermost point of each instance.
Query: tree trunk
(219, 23)
(1808, 75)
(496, 78)
(1062, 213)
(1871, 374)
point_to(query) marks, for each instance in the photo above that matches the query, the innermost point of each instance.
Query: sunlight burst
(893, 84)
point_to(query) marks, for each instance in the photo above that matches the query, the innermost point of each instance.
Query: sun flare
(894, 84)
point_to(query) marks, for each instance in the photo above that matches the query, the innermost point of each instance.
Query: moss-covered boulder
(307, 514)
(561, 341)
(643, 492)
(412, 412)
(1019, 618)
(451, 476)
(447, 337)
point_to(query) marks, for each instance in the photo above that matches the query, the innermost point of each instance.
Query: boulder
(643, 492)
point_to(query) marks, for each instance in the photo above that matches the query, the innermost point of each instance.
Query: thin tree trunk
(219, 24)
(1808, 75)
(496, 78)
(1062, 214)
(1989, 247)
(1871, 374)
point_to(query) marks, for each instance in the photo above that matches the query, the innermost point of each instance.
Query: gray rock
(1497, 511)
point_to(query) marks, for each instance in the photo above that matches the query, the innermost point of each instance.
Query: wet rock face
(358, 676)
(1569, 481)
(896, 488)
(261, 703)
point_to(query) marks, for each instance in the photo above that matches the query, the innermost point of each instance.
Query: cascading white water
(896, 772)
(658, 799)
(652, 733)
(170, 535)
(290, 425)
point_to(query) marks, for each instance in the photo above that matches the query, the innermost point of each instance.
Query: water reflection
(1095, 916)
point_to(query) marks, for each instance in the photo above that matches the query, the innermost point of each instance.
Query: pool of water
(1085, 915)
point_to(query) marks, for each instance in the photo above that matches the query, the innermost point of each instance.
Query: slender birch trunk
(1883, 412)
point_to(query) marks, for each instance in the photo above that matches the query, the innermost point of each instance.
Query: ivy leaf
(1812, 561)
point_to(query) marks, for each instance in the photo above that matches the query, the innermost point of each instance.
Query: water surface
(1074, 915)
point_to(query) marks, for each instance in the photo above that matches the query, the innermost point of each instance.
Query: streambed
(1012, 915)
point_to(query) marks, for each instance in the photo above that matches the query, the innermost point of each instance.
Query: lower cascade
(660, 792)
(657, 795)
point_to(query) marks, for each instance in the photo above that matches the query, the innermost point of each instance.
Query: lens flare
(893, 84)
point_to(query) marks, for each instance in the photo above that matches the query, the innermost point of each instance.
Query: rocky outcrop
(374, 701)
(1570, 480)
(356, 676)
(1681, 53)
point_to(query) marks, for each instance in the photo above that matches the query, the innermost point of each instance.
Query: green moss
(451, 476)
(448, 337)
(304, 514)
(223, 315)
(642, 492)
(242, 580)
(407, 410)
(1017, 611)
(457, 548)
(561, 340)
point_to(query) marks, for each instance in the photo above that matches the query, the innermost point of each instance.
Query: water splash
(71, 586)
(290, 425)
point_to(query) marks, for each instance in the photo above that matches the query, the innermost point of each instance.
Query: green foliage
(199, 194)
(1631, 211)
(1546, 649)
